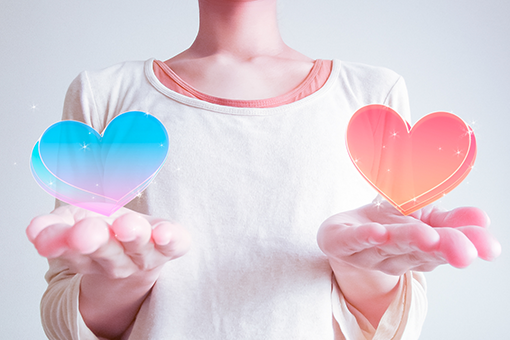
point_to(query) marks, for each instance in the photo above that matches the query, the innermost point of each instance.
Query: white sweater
(252, 185)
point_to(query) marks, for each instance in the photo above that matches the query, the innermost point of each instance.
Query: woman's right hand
(120, 258)
(116, 247)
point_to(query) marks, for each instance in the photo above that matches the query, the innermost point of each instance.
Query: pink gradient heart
(410, 167)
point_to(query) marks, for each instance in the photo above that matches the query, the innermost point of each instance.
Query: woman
(256, 164)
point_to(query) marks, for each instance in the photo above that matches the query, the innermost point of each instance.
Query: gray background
(453, 54)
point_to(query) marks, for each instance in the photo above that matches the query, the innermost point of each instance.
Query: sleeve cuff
(403, 319)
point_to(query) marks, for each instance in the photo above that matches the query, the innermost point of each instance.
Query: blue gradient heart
(101, 173)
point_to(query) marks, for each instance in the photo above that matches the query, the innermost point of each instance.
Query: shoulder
(368, 84)
(367, 79)
(96, 96)
(365, 84)
(366, 73)
(121, 73)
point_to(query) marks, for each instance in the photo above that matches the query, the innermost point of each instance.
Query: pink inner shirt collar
(315, 79)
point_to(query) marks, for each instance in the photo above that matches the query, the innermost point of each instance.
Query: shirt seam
(386, 99)
(94, 117)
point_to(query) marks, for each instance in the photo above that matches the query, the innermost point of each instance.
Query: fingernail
(164, 239)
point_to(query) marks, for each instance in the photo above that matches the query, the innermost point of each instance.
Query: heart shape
(101, 173)
(410, 167)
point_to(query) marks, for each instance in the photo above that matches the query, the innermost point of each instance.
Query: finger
(487, 246)
(88, 235)
(100, 251)
(133, 231)
(345, 239)
(404, 238)
(162, 234)
(111, 259)
(171, 239)
(41, 222)
(456, 248)
(459, 217)
(51, 241)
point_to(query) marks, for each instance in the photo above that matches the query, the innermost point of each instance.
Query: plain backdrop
(454, 55)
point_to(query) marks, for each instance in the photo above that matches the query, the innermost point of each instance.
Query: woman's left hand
(378, 237)
(369, 248)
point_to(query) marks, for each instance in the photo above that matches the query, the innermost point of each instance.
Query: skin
(120, 258)
(239, 54)
(369, 248)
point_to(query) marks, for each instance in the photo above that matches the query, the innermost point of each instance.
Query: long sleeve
(403, 319)
(60, 315)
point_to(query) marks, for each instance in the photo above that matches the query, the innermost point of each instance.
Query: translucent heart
(101, 173)
(411, 168)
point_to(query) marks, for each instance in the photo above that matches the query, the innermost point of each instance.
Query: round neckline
(234, 110)
(275, 101)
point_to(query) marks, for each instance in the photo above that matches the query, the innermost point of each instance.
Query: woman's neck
(239, 52)
(239, 29)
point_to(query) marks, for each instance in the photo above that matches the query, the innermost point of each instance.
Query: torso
(252, 185)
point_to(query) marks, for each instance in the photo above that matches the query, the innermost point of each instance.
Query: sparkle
(440, 148)
(377, 203)
(15, 163)
(50, 183)
(468, 132)
(84, 146)
(458, 152)
(139, 195)
(34, 107)
(394, 134)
